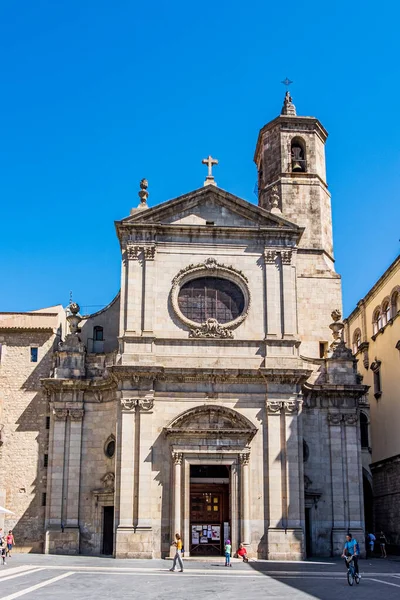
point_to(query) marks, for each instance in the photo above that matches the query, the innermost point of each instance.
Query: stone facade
(24, 414)
(254, 418)
(373, 332)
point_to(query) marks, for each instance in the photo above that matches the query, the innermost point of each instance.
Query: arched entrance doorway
(210, 473)
(368, 502)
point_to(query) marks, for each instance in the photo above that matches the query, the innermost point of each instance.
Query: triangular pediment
(209, 205)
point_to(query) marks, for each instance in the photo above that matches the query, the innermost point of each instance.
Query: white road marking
(13, 576)
(37, 586)
(9, 570)
(385, 582)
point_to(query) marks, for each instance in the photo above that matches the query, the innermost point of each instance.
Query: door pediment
(211, 422)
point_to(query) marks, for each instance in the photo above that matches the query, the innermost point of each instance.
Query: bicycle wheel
(350, 577)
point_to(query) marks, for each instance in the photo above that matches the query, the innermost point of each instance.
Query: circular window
(110, 449)
(211, 298)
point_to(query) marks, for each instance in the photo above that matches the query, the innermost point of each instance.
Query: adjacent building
(373, 331)
(214, 396)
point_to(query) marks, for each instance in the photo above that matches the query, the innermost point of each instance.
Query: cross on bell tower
(210, 162)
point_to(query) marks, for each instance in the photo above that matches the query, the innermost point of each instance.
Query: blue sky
(96, 95)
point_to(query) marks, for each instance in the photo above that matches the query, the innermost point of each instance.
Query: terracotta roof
(46, 321)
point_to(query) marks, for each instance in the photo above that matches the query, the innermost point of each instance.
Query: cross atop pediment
(210, 162)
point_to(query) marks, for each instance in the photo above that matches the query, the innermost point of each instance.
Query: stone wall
(24, 408)
(386, 486)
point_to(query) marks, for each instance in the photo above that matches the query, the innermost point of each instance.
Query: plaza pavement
(45, 577)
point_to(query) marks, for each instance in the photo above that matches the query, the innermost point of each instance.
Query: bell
(296, 166)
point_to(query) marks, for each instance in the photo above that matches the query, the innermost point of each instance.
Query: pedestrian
(178, 553)
(382, 542)
(10, 541)
(3, 549)
(228, 551)
(371, 543)
(242, 553)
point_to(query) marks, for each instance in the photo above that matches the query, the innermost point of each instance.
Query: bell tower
(290, 158)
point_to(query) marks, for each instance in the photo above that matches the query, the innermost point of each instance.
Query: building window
(376, 369)
(110, 448)
(34, 354)
(394, 304)
(44, 498)
(364, 430)
(298, 155)
(46, 461)
(211, 298)
(376, 321)
(98, 334)
(385, 313)
(356, 341)
(323, 349)
(47, 422)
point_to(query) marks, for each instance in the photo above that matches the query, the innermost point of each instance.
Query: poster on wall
(203, 540)
(226, 531)
(195, 535)
(216, 532)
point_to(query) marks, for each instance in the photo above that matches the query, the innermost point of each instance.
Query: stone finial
(73, 317)
(288, 107)
(338, 347)
(143, 193)
(274, 199)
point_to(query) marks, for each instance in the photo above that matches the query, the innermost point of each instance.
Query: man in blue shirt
(351, 548)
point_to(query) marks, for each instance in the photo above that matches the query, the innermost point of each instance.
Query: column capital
(274, 407)
(149, 252)
(345, 418)
(270, 256)
(129, 404)
(350, 419)
(244, 458)
(145, 404)
(177, 457)
(335, 418)
(291, 406)
(60, 414)
(76, 414)
(133, 251)
(286, 256)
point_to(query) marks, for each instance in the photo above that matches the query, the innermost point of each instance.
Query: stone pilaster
(244, 459)
(55, 476)
(128, 410)
(289, 293)
(285, 533)
(143, 528)
(272, 294)
(62, 525)
(74, 465)
(177, 494)
(134, 279)
(149, 253)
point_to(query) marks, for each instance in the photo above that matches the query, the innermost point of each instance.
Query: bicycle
(352, 576)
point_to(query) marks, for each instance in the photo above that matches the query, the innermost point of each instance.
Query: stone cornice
(51, 384)
(327, 390)
(136, 373)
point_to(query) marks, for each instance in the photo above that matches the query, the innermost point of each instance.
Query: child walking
(228, 551)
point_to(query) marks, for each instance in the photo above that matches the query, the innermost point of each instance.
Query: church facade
(214, 396)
